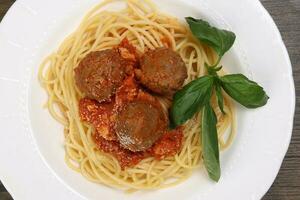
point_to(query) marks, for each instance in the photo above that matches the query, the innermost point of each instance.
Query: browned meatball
(139, 124)
(100, 73)
(162, 71)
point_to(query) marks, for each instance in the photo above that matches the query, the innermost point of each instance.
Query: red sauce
(166, 42)
(168, 145)
(130, 91)
(102, 117)
(129, 48)
(125, 157)
(129, 53)
(127, 92)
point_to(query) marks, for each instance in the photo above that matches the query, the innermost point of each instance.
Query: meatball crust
(139, 125)
(100, 73)
(162, 71)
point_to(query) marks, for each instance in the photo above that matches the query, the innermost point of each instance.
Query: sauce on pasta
(91, 146)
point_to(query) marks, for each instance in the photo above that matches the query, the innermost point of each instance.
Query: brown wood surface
(286, 14)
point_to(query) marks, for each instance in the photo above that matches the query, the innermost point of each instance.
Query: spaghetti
(145, 28)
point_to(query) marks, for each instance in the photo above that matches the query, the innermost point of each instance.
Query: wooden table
(286, 14)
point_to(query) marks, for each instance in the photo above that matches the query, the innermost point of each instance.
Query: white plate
(31, 145)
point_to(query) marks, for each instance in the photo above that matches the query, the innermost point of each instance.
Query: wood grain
(4, 6)
(286, 14)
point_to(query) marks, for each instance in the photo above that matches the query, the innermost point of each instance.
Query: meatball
(162, 71)
(100, 73)
(139, 124)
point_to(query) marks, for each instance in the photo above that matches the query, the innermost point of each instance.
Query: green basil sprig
(220, 40)
(210, 139)
(197, 94)
(246, 92)
(191, 98)
(220, 97)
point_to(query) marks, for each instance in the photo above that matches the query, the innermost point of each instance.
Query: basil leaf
(246, 92)
(211, 70)
(210, 145)
(190, 99)
(220, 40)
(220, 97)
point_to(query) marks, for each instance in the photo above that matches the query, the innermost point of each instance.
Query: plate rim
(291, 82)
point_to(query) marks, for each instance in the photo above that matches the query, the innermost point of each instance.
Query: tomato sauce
(168, 145)
(129, 53)
(102, 116)
(125, 157)
(166, 42)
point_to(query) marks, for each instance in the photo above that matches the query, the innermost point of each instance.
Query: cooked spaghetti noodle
(145, 28)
